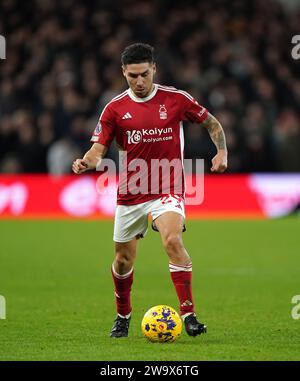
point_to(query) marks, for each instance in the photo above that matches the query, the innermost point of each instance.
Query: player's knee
(173, 243)
(123, 262)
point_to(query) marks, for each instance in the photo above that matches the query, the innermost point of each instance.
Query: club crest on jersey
(134, 136)
(163, 112)
(98, 129)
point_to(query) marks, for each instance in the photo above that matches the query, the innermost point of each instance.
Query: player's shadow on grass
(200, 341)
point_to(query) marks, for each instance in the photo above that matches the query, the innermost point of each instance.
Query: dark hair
(137, 53)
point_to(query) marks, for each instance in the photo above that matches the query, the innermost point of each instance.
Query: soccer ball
(161, 324)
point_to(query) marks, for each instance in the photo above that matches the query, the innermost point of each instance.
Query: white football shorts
(132, 220)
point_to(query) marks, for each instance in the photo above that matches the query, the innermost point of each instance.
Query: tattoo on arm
(215, 131)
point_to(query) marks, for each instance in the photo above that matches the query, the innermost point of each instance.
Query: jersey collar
(137, 99)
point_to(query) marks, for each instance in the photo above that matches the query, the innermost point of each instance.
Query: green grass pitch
(55, 277)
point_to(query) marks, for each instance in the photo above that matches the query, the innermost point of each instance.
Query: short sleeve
(104, 132)
(192, 111)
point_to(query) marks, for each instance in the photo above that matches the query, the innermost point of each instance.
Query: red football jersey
(149, 132)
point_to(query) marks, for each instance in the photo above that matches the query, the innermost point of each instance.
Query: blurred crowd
(63, 65)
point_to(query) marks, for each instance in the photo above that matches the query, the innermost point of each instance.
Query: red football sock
(182, 280)
(122, 291)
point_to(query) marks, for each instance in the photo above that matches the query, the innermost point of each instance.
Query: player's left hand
(219, 162)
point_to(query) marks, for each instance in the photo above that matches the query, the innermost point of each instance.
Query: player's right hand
(79, 166)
